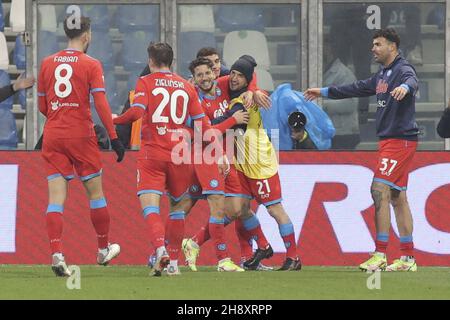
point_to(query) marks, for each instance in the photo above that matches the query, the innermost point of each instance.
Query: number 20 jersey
(168, 100)
(66, 79)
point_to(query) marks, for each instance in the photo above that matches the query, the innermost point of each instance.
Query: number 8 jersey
(65, 80)
(168, 100)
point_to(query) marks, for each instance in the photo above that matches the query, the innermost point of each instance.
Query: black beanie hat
(245, 65)
(249, 59)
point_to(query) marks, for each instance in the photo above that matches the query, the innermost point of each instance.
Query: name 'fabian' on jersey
(65, 59)
(169, 83)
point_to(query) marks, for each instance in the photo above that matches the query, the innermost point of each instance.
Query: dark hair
(75, 31)
(389, 34)
(207, 51)
(161, 53)
(199, 62)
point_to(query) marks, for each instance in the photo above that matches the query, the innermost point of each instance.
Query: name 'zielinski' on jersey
(168, 83)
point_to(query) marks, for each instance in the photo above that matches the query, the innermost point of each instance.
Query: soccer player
(257, 96)
(395, 86)
(166, 101)
(65, 81)
(213, 55)
(215, 99)
(257, 165)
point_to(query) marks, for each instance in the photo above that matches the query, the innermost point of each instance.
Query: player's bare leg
(100, 220)
(57, 191)
(186, 204)
(286, 229)
(402, 213)
(381, 195)
(404, 220)
(150, 210)
(233, 207)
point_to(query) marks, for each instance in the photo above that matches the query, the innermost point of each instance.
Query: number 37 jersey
(168, 100)
(65, 80)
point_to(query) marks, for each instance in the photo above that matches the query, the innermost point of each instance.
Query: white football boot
(105, 256)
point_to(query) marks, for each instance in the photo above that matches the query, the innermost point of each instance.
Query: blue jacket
(284, 101)
(394, 119)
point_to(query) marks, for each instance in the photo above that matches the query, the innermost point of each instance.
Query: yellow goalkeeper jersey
(255, 155)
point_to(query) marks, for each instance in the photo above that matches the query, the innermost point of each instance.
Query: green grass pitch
(134, 282)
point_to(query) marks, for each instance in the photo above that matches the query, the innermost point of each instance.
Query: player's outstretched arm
(131, 115)
(399, 93)
(312, 93)
(23, 83)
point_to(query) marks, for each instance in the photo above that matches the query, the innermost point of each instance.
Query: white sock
(59, 255)
(161, 250)
(407, 258)
(173, 263)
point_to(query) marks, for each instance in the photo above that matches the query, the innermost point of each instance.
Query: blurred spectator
(349, 21)
(437, 17)
(443, 128)
(299, 135)
(343, 113)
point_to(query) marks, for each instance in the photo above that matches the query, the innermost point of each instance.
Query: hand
(262, 99)
(247, 98)
(224, 165)
(399, 93)
(241, 117)
(118, 148)
(114, 115)
(312, 93)
(23, 83)
(297, 135)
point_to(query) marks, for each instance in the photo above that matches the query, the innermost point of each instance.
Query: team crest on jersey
(388, 73)
(214, 183)
(55, 105)
(218, 92)
(161, 130)
(382, 86)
